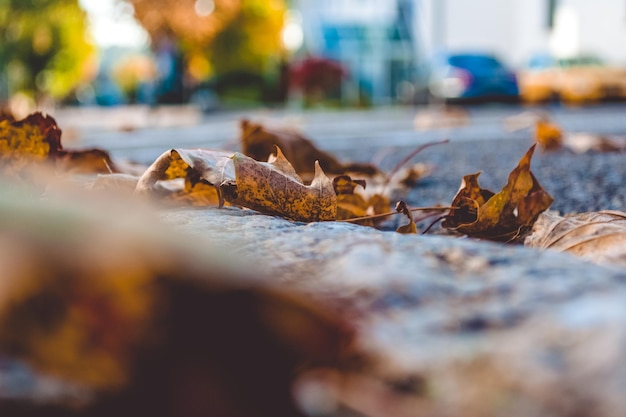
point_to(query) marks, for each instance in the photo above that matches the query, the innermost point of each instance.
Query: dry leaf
(355, 200)
(274, 188)
(501, 216)
(203, 171)
(34, 139)
(589, 142)
(37, 139)
(598, 236)
(408, 177)
(411, 228)
(258, 142)
(441, 118)
(86, 161)
(349, 204)
(548, 135)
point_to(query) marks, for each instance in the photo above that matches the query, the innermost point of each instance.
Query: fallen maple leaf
(483, 214)
(275, 188)
(258, 142)
(597, 236)
(203, 170)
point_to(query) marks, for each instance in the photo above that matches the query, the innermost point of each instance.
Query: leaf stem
(407, 158)
(393, 213)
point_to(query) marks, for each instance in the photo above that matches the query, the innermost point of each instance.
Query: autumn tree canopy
(44, 47)
(217, 36)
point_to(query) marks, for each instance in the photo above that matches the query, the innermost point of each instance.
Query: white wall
(531, 30)
(479, 25)
(516, 29)
(602, 27)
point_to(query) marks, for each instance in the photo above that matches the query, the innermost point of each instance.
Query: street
(130, 132)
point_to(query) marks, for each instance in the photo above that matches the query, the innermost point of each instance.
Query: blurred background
(217, 54)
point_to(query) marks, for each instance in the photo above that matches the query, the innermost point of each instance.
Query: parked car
(471, 77)
(575, 80)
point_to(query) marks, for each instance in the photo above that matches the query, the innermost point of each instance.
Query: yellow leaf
(35, 139)
(548, 135)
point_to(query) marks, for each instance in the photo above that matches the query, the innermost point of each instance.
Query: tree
(217, 37)
(44, 47)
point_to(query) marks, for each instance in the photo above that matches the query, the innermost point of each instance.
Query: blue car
(471, 77)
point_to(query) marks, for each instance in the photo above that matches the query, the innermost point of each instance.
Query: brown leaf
(203, 171)
(349, 204)
(411, 228)
(354, 201)
(598, 236)
(86, 161)
(501, 216)
(274, 188)
(258, 142)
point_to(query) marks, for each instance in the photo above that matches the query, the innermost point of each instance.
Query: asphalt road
(482, 143)
(130, 132)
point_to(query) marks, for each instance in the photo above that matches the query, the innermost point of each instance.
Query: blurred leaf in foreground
(101, 295)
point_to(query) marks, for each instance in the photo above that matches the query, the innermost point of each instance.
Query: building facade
(517, 29)
(386, 43)
(374, 40)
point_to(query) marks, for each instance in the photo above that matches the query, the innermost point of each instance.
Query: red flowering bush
(317, 77)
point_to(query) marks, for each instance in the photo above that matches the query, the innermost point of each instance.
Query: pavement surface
(481, 142)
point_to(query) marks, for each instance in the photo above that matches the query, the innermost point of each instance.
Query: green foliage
(251, 41)
(44, 46)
